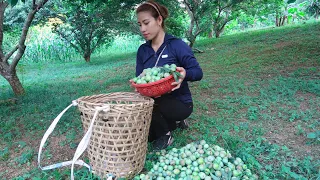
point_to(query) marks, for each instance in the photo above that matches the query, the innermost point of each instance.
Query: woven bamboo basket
(118, 143)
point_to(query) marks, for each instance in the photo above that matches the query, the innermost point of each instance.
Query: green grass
(259, 98)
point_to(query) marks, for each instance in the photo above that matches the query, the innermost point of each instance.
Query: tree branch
(188, 7)
(198, 32)
(79, 37)
(6, 58)
(41, 4)
(196, 17)
(97, 44)
(24, 33)
(193, 18)
(69, 41)
(224, 24)
(81, 41)
(90, 38)
(3, 6)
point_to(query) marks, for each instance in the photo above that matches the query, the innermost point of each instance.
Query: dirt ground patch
(294, 134)
(53, 153)
(284, 133)
(305, 100)
(283, 44)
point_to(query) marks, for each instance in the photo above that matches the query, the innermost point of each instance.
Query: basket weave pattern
(118, 144)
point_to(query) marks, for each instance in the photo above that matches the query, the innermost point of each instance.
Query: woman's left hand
(183, 73)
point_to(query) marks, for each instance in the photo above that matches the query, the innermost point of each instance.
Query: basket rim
(86, 99)
(152, 83)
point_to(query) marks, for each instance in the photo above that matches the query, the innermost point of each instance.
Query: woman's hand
(183, 73)
(131, 81)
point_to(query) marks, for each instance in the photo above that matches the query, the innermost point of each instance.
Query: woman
(172, 109)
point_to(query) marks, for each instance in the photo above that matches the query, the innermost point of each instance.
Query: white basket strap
(86, 139)
(45, 137)
(66, 163)
(81, 147)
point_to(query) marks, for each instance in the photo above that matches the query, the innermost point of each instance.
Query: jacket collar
(167, 39)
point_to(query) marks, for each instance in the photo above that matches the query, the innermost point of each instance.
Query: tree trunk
(254, 23)
(8, 71)
(191, 43)
(13, 80)
(317, 13)
(283, 20)
(16, 84)
(210, 35)
(218, 34)
(218, 30)
(192, 40)
(87, 56)
(280, 20)
(190, 32)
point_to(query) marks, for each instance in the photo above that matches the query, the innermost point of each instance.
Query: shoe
(183, 124)
(162, 142)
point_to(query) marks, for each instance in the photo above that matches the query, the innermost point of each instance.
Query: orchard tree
(223, 12)
(14, 17)
(198, 11)
(285, 10)
(177, 20)
(87, 25)
(281, 11)
(314, 8)
(9, 60)
(277, 9)
(297, 10)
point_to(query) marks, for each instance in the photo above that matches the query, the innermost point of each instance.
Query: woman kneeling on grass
(170, 110)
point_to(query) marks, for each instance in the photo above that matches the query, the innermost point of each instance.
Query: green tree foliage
(177, 20)
(14, 2)
(270, 10)
(198, 12)
(224, 11)
(286, 11)
(89, 25)
(9, 60)
(279, 8)
(297, 11)
(314, 8)
(15, 16)
(175, 24)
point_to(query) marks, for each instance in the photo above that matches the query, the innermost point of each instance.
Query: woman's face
(149, 26)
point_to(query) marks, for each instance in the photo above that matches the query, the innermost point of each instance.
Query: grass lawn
(259, 98)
